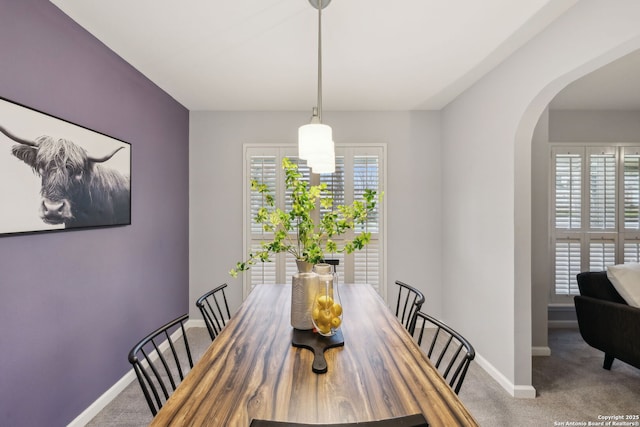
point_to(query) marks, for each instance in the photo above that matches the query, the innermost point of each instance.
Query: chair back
(161, 363)
(409, 302)
(449, 351)
(596, 284)
(335, 262)
(215, 310)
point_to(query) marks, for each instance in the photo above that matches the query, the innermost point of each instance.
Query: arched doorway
(487, 131)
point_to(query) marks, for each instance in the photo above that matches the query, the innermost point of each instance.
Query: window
(595, 216)
(358, 168)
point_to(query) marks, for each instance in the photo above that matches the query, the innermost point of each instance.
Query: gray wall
(488, 131)
(539, 235)
(73, 303)
(594, 126)
(412, 196)
(479, 275)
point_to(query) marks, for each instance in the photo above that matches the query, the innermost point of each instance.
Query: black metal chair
(416, 420)
(160, 363)
(215, 310)
(334, 262)
(410, 301)
(446, 345)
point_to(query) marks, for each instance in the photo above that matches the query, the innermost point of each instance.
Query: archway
(523, 176)
(487, 132)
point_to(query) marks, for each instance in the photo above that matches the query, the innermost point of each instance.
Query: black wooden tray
(318, 344)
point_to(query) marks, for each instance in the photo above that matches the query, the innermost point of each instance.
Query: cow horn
(17, 139)
(105, 158)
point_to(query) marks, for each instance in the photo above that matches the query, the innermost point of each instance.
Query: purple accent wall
(73, 303)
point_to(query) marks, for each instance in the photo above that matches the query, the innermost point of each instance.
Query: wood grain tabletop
(251, 370)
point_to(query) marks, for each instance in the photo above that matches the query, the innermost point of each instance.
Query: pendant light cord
(320, 61)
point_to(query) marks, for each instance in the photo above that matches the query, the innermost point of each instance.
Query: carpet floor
(572, 389)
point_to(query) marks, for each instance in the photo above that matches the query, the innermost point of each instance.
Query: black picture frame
(56, 175)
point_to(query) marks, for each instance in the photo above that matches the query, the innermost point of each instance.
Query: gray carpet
(571, 386)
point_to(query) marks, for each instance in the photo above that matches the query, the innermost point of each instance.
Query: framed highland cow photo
(55, 175)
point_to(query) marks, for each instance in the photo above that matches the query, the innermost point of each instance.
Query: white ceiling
(262, 54)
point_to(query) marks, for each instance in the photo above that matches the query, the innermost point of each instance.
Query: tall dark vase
(304, 286)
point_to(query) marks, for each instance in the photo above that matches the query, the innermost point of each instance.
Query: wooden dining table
(251, 370)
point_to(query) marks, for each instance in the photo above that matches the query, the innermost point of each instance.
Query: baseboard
(563, 324)
(194, 323)
(540, 351)
(517, 391)
(106, 398)
(97, 406)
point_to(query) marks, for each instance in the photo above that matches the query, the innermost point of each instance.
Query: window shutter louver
(335, 184)
(602, 253)
(263, 169)
(631, 182)
(262, 272)
(631, 250)
(366, 176)
(366, 265)
(568, 191)
(602, 191)
(567, 266)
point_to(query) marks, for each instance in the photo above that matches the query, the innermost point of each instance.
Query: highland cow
(77, 189)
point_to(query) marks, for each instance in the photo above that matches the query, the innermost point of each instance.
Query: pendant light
(315, 140)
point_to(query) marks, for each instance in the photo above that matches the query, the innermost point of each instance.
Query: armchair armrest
(610, 327)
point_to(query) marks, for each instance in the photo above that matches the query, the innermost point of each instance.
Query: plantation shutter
(567, 265)
(263, 169)
(567, 217)
(336, 184)
(602, 190)
(568, 190)
(631, 188)
(631, 249)
(366, 175)
(595, 210)
(602, 253)
(630, 236)
(357, 168)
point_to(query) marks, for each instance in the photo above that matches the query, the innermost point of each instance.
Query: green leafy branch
(296, 232)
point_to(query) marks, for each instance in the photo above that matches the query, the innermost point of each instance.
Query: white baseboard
(97, 406)
(540, 351)
(194, 323)
(518, 391)
(106, 398)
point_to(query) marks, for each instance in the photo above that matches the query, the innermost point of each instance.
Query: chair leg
(608, 361)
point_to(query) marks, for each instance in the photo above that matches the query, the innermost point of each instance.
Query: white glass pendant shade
(315, 140)
(310, 139)
(324, 161)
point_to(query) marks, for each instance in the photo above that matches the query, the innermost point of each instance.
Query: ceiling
(261, 55)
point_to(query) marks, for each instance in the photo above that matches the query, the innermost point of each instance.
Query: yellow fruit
(315, 314)
(322, 325)
(325, 316)
(336, 309)
(325, 301)
(335, 322)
